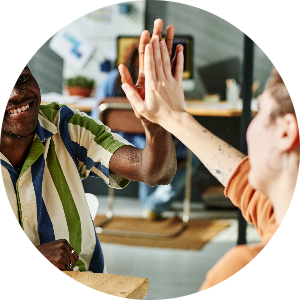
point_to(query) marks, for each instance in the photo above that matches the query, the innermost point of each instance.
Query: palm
(139, 86)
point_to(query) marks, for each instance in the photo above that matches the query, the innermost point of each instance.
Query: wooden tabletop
(116, 285)
(194, 107)
(81, 105)
(220, 109)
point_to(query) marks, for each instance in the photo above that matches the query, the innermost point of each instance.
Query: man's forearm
(219, 157)
(159, 156)
(155, 164)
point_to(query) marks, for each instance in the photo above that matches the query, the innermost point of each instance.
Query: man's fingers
(174, 61)
(179, 66)
(68, 252)
(75, 255)
(144, 40)
(170, 38)
(158, 28)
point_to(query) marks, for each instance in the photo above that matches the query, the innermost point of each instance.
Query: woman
(262, 184)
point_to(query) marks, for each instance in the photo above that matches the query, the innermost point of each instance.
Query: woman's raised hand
(163, 85)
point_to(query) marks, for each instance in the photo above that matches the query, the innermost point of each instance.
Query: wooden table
(194, 107)
(204, 109)
(81, 105)
(116, 285)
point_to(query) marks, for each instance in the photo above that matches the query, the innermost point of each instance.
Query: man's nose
(17, 93)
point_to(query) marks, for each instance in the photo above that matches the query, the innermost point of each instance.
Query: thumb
(133, 97)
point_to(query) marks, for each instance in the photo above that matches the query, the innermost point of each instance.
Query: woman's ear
(288, 132)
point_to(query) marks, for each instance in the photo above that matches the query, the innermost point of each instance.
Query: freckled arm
(219, 157)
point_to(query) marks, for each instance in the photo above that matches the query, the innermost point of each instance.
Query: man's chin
(14, 134)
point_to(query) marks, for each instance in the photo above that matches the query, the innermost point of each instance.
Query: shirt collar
(45, 129)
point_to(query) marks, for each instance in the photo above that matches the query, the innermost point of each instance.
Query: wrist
(152, 128)
(175, 121)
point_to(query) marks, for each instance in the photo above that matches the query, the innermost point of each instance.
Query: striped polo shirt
(47, 197)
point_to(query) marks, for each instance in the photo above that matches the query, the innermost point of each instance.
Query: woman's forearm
(219, 157)
(163, 105)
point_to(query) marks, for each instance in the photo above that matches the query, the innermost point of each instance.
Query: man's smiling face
(21, 114)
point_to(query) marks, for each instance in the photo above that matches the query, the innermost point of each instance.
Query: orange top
(257, 209)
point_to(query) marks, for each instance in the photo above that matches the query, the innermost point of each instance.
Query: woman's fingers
(132, 95)
(162, 63)
(125, 75)
(157, 58)
(150, 73)
(165, 60)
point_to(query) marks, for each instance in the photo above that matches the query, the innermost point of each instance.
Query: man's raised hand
(139, 86)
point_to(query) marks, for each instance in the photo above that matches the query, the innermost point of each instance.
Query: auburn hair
(280, 94)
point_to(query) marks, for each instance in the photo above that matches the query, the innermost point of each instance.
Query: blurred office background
(215, 41)
(217, 53)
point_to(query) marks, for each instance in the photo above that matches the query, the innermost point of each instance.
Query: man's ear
(288, 132)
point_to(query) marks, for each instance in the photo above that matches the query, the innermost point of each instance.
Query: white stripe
(96, 152)
(10, 191)
(28, 207)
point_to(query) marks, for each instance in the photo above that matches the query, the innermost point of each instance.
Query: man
(47, 150)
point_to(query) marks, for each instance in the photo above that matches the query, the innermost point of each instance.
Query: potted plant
(80, 86)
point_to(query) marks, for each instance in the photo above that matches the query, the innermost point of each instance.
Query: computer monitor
(123, 42)
(215, 74)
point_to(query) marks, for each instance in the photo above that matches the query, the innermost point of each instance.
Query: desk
(82, 105)
(194, 107)
(116, 285)
(203, 109)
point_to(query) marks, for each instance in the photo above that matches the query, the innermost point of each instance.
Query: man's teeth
(15, 111)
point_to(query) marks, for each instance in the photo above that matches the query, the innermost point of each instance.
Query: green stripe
(81, 265)
(36, 150)
(102, 137)
(67, 201)
(19, 206)
(49, 110)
